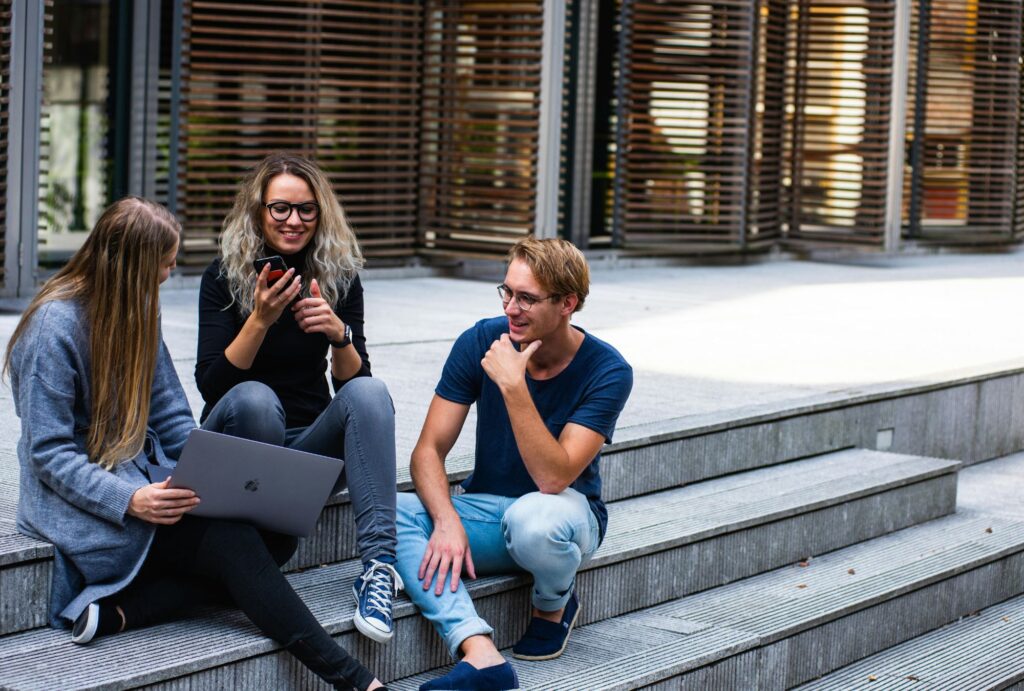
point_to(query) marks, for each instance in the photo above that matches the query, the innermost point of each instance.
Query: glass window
(76, 162)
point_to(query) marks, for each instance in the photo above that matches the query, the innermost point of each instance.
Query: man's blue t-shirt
(591, 391)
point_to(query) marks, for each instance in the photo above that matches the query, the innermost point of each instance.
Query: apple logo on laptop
(252, 485)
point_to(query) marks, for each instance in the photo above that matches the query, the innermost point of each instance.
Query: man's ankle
(554, 617)
(481, 652)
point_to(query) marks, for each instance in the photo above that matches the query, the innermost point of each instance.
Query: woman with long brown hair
(263, 347)
(100, 406)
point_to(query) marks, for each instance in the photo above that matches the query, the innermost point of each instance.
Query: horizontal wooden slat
(837, 139)
(341, 84)
(684, 168)
(480, 120)
(963, 181)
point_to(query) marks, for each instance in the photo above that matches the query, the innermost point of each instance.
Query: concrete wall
(969, 419)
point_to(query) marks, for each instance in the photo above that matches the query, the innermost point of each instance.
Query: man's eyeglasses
(524, 301)
(282, 211)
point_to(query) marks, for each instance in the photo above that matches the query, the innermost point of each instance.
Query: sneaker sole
(366, 628)
(557, 653)
(92, 622)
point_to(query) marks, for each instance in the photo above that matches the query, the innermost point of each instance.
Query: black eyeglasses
(282, 211)
(524, 301)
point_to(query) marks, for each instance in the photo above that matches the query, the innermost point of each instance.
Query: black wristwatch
(346, 339)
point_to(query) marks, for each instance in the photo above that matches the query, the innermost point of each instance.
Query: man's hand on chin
(505, 365)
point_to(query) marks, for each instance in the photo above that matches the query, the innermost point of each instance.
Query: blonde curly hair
(335, 257)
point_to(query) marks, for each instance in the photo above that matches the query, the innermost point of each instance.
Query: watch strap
(346, 339)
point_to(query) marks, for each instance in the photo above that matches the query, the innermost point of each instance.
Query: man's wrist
(512, 389)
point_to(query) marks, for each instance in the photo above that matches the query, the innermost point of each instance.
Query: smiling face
(291, 235)
(544, 317)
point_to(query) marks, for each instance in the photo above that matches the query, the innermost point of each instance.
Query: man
(547, 395)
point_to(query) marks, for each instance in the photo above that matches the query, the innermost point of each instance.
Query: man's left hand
(505, 365)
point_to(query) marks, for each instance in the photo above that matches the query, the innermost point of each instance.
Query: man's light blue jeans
(546, 535)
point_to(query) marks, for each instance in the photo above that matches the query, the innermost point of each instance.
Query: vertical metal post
(23, 148)
(621, 118)
(924, 15)
(144, 89)
(585, 60)
(897, 127)
(549, 142)
(749, 110)
(177, 32)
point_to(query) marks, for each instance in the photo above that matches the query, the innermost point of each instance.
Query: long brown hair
(116, 276)
(335, 256)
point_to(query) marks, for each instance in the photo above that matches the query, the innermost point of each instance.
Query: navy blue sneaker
(546, 640)
(374, 592)
(466, 677)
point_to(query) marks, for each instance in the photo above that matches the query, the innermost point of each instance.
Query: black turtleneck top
(290, 361)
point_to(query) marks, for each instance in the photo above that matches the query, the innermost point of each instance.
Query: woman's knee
(253, 410)
(369, 396)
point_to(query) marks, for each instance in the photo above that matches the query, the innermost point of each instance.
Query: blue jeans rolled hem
(470, 627)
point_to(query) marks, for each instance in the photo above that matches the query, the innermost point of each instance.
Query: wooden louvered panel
(337, 80)
(684, 165)
(5, 130)
(480, 121)
(837, 137)
(766, 209)
(965, 139)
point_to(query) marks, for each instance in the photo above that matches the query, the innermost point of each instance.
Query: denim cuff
(552, 605)
(471, 627)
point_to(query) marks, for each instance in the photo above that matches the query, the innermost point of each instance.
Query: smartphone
(277, 267)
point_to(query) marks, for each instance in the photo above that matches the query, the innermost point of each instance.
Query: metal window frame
(143, 92)
(549, 135)
(23, 148)
(897, 129)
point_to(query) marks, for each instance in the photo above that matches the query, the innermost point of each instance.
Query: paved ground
(995, 487)
(701, 339)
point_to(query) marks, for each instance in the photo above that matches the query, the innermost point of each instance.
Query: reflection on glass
(74, 175)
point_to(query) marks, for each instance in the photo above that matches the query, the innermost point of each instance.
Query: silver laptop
(269, 486)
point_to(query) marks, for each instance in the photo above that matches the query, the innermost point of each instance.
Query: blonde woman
(100, 404)
(263, 347)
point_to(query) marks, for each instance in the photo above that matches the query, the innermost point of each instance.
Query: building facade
(451, 128)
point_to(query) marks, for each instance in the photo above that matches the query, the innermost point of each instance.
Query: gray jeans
(357, 426)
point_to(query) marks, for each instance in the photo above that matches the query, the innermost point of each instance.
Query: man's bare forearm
(545, 459)
(431, 482)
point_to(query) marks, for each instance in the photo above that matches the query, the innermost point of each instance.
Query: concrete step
(25, 563)
(985, 650)
(659, 547)
(781, 628)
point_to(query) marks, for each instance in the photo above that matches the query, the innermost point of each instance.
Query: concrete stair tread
(30, 659)
(720, 494)
(670, 639)
(16, 548)
(687, 514)
(983, 651)
(706, 509)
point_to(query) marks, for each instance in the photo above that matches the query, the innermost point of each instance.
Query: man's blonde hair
(558, 265)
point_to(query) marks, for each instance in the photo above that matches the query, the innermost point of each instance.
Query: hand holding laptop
(270, 486)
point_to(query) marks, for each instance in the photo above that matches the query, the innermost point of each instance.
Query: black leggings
(201, 561)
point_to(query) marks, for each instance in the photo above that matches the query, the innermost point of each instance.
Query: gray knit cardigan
(64, 498)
